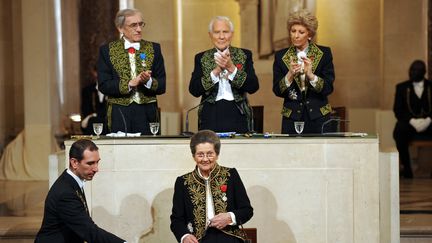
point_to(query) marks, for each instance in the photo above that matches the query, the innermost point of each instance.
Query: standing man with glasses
(210, 204)
(131, 73)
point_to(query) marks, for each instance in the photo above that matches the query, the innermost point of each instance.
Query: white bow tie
(135, 45)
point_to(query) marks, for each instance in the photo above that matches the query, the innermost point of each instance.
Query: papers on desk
(122, 134)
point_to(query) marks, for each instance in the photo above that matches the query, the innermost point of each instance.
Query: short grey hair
(221, 18)
(121, 15)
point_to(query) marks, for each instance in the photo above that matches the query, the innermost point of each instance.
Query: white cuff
(214, 78)
(287, 82)
(314, 81)
(183, 237)
(233, 218)
(149, 83)
(233, 74)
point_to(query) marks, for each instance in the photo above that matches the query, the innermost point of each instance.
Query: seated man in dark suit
(66, 216)
(413, 110)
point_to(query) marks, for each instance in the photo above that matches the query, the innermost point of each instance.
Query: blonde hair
(305, 18)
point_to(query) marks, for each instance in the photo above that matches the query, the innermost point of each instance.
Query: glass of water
(299, 126)
(154, 128)
(98, 128)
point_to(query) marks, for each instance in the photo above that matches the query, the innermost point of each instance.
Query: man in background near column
(131, 73)
(66, 215)
(413, 111)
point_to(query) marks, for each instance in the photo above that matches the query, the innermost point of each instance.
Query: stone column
(39, 87)
(249, 24)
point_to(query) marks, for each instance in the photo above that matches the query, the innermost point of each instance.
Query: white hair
(221, 18)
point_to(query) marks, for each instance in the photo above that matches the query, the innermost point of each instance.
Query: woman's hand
(294, 70)
(220, 221)
(308, 68)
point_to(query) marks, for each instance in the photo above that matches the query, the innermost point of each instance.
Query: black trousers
(223, 116)
(216, 236)
(134, 117)
(403, 134)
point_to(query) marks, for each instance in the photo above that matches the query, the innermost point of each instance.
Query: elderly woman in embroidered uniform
(209, 203)
(303, 76)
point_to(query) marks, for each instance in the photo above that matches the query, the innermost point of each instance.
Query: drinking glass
(154, 128)
(98, 128)
(298, 126)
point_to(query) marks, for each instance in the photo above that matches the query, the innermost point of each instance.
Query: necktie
(85, 200)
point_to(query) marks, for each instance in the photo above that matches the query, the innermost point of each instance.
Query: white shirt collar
(128, 44)
(77, 179)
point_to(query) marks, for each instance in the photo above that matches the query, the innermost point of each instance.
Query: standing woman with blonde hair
(303, 76)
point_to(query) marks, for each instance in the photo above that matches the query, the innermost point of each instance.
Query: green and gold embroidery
(314, 54)
(82, 200)
(197, 192)
(238, 57)
(326, 109)
(119, 58)
(286, 112)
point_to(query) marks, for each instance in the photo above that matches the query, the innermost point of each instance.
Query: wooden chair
(422, 145)
(340, 113)
(251, 235)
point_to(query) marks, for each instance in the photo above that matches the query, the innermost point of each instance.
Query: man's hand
(190, 239)
(141, 78)
(220, 221)
(223, 60)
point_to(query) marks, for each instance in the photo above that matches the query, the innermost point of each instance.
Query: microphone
(124, 120)
(331, 120)
(188, 133)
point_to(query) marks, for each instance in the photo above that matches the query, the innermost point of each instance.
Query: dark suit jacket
(189, 201)
(407, 105)
(66, 219)
(315, 99)
(110, 81)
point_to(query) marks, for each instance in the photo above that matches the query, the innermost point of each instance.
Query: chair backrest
(340, 113)
(258, 118)
(251, 235)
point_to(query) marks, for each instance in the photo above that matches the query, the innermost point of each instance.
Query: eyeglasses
(209, 155)
(135, 25)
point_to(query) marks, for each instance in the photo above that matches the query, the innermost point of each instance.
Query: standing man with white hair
(131, 72)
(223, 76)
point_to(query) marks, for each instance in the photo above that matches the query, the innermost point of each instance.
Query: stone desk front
(303, 189)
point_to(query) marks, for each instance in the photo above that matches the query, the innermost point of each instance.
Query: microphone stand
(188, 133)
(330, 120)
